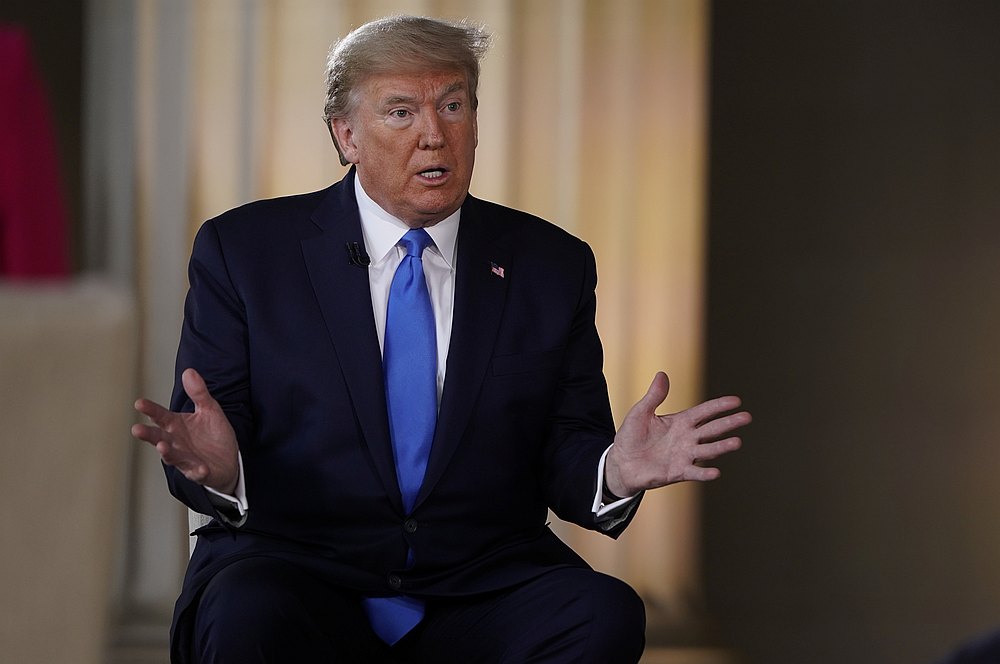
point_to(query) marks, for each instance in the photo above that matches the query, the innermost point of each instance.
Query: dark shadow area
(855, 304)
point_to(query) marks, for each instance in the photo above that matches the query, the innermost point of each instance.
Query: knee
(248, 609)
(618, 633)
(270, 610)
(246, 592)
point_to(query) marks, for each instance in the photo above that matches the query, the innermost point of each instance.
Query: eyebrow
(398, 99)
(407, 99)
(454, 87)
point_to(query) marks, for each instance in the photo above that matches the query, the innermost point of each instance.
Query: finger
(709, 451)
(723, 425)
(194, 386)
(199, 474)
(655, 395)
(196, 473)
(699, 474)
(166, 453)
(192, 468)
(711, 409)
(152, 410)
(146, 433)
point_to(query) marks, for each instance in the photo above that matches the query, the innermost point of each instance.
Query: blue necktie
(410, 360)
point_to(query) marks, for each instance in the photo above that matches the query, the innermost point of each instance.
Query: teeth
(432, 174)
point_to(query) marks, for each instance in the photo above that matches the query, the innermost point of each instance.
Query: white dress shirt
(382, 233)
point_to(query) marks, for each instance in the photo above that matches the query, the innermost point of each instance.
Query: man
(384, 385)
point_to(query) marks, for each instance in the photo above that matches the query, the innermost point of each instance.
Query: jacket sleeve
(213, 342)
(580, 424)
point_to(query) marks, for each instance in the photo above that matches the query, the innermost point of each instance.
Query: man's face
(413, 138)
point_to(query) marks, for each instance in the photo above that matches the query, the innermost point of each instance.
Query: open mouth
(433, 173)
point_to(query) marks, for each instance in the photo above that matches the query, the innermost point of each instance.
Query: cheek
(472, 138)
(393, 153)
(380, 146)
(463, 141)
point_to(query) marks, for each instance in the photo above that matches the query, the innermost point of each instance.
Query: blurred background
(797, 202)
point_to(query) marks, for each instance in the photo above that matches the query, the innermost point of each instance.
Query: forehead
(417, 86)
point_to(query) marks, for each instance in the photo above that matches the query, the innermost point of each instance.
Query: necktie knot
(415, 241)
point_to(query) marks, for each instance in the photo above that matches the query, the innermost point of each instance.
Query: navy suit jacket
(279, 322)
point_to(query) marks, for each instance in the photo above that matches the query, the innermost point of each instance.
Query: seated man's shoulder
(525, 227)
(271, 211)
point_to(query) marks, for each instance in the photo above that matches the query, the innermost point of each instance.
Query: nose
(431, 134)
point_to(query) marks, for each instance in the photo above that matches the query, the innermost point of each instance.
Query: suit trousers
(268, 610)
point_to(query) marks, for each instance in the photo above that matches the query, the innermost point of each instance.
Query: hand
(202, 445)
(653, 450)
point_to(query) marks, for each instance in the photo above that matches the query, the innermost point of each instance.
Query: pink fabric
(33, 241)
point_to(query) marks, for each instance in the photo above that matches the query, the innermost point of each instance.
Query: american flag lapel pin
(496, 269)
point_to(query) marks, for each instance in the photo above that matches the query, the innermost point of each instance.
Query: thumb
(655, 395)
(194, 386)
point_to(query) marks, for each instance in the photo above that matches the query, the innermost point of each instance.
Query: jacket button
(410, 525)
(395, 582)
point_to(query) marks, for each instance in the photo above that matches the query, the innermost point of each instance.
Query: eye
(453, 106)
(400, 113)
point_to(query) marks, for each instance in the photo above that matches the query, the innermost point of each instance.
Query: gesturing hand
(202, 445)
(653, 450)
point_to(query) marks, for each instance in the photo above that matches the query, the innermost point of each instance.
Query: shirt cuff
(233, 508)
(615, 511)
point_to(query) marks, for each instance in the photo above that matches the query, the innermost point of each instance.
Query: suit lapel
(344, 297)
(480, 294)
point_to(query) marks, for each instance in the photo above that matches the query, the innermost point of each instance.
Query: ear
(340, 153)
(475, 128)
(343, 137)
(336, 144)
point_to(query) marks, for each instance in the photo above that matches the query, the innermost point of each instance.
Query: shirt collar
(383, 231)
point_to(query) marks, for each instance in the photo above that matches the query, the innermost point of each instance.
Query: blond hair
(400, 44)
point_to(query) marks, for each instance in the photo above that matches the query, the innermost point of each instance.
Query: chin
(439, 208)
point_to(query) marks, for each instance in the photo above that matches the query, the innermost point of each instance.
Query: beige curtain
(592, 115)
